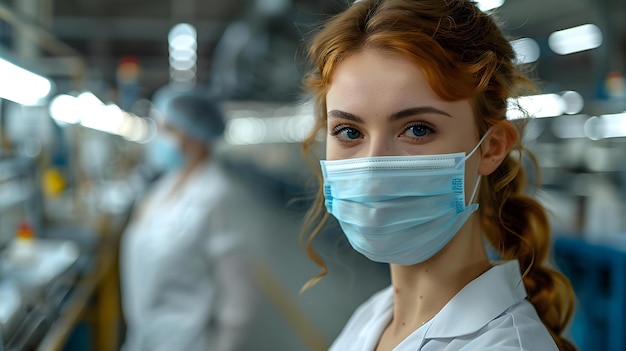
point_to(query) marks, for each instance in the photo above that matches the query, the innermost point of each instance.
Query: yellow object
(53, 182)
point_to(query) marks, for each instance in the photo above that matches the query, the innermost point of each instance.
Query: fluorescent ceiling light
(183, 42)
(184, 30)
(183, 55)
(92, 113)
(576, 39)
(63, 109)
(183, 36)
(539, 106)
(242, 131)
(105, 118)
(22, 86)
(574, 102)
(606, 126)
(486, 5)
(268, 130)
(183, 45)
(183, 65)
(526, 50)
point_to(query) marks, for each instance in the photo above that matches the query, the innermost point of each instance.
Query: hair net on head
(193, 112)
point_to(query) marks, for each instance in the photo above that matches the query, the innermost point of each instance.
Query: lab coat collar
(481, 301)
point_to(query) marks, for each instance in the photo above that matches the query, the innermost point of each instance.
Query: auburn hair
(463, 55)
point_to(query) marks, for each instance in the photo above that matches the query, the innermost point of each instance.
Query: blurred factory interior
(70, 178)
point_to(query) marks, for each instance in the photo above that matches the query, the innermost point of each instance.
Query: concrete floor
(286, 319)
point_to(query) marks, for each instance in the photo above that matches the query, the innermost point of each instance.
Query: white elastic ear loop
(471, 201)
(479, 176)
(477, 145)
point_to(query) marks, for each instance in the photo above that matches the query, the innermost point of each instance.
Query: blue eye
(347, 133)
(351, 133)
(418, 131)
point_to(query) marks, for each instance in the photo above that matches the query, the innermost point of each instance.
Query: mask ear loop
(470, 155)
(471, 201)
(477, 145)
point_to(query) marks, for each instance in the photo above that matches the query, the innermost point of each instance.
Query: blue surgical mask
(165, 154)
(399, 209)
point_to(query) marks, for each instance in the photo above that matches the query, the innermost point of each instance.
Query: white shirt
(490, 313)
(184, 283)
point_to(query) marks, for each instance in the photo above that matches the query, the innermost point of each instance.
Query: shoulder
(209, 185)
(490, 313)
(367, 323)
(516, 329)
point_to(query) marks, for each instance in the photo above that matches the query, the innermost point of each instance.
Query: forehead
(371, 69)
(372, 81)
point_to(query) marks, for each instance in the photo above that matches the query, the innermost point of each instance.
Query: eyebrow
(394, 117)
(344, 115)
(417, 111)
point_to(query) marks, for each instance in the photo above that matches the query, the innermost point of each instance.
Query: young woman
(421, 167)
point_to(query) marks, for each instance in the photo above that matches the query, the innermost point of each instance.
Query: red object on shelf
(25, 230)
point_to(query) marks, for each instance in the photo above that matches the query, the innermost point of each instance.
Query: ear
(501, 139)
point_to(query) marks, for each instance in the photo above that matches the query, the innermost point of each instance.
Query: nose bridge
(381, 145)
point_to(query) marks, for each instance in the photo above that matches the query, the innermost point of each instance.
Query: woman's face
(188, 146)
(381, 105)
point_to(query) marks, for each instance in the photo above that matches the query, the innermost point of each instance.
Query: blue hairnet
(193, 113)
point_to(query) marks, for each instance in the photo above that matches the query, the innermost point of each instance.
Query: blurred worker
(185, 281)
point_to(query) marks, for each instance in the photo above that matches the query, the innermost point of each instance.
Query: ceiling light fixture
(92, 113)
(574, 102)
(487, 5)
(606, 126)
(183, 45)
(538, 106)
(576, 39)
(22, 86)
(526, 50)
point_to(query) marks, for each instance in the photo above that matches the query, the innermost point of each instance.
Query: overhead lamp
(526, 50)
(545, 105)
(487, 5)
(606, 126)
(268, 130)
(63, 109)
(22, 86)
(183, 65)
(576, 39)
(105, 118)
(574, 102)
(92, 113)
(183, 45)
(182, 35)
(183, 55)
(246, 131)
(539, 106)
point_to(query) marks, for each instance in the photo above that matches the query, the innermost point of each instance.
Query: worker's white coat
(185, 285)
(490, 313)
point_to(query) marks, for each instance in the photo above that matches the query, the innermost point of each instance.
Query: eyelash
(340, 128)
(336, 131)
(430, 128)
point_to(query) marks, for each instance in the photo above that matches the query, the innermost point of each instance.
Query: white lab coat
(490, 313)
(185, 284)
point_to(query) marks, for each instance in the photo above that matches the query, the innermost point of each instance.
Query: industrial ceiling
(269, 64)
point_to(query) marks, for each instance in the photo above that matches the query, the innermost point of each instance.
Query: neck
(422, 290)
(193, 161)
